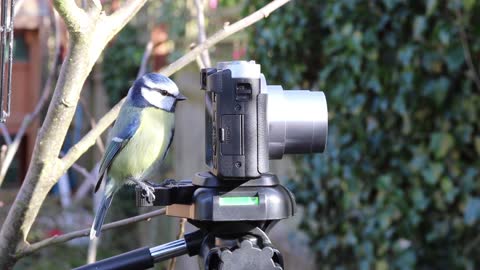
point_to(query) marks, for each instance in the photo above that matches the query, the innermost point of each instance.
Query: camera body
(248, 122)
(235, 127)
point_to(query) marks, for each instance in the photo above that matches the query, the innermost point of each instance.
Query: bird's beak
(181, 97)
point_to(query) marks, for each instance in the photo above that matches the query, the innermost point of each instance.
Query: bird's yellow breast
(146, 148)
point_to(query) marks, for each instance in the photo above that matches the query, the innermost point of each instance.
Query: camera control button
(243, 92)
(221, 134)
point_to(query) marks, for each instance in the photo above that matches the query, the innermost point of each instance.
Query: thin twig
(5, 134)
(81, 170)
(3, 151)
(123, 15)
(85, 232)
(87, 184)
(198, 59)
(466, 50)
(222, 34)
(89, 139)
(75, 18)
(146, 56)
(93, 124)
(202, 33)
(181, 232)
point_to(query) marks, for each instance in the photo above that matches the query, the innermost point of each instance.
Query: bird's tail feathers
(100, 215)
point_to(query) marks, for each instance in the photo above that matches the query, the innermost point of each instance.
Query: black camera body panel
(236, 144)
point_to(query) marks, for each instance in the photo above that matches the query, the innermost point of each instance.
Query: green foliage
(121, 63)
(398, 186)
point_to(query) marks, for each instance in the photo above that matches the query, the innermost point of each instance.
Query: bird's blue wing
(172, 133)
(122, 132)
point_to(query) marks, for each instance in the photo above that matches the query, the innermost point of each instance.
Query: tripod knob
(247, 256)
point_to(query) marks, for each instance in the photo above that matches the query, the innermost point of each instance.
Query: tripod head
(237, 201)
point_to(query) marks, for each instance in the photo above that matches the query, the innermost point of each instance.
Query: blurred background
(399, 184)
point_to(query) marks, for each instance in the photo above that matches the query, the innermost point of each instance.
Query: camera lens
(297, 121)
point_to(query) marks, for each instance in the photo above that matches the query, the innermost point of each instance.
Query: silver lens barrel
(297, 121)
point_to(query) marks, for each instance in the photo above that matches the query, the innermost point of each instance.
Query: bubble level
(227, 201)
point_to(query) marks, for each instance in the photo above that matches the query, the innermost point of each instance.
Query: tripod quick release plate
(167, 193)
(243, 201)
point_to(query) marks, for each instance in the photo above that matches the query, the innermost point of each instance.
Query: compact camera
(248, 122)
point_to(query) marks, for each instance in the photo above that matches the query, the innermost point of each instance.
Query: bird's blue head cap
(155, 90)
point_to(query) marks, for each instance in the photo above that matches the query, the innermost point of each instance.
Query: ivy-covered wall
(399, 185)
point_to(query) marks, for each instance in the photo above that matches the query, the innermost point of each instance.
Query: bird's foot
(148, 191)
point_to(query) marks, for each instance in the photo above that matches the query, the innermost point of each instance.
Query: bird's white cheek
(153, 97)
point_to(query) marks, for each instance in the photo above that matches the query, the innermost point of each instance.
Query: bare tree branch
(75, 18)
(93, 124)
(222, 34)
(198, 59)
(81, 170)
(146, 56)
(85, 232)
(123, 15)
(87, 184)
(88, 37)
(89, 139)
(202, 35)
(92, 7)
(5, 134)
(3, 151)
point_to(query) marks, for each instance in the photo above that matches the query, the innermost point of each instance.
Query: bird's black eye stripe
(164, 92)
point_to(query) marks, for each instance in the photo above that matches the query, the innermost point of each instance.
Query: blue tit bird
(140, 139)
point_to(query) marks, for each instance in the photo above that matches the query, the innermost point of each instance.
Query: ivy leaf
(432, 173)
(472, 210)
(419, 27)
(405, 55)
(441, 143)
(420, 201)
(437, 89)
(399, 105)
(454, 58)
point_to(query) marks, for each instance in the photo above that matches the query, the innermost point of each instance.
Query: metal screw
(238, 164)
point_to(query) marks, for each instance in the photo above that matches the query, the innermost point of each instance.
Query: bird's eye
(164, 92)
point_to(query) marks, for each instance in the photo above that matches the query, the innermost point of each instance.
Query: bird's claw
(149, 193)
